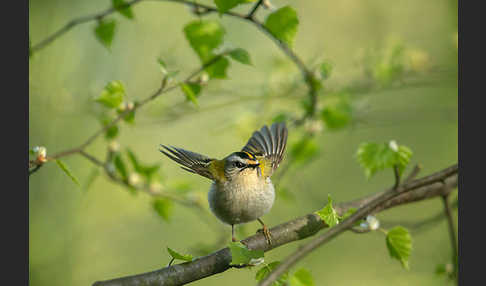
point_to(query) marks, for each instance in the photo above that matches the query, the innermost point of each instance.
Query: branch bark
(427, 187)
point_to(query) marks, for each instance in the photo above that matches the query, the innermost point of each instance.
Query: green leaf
(130, 117)
(440, 269)
(125, 11)
(112, 95)
(191, 90)
(399, 244)
(281, 117)
(325, 70)
(374, 157)
(304, 150)
(337, 113)
(241, 255)
(144, 170)
(218, 69)
(177, 255)
(241, 56)
(266, 269)
(283, 24)
(225, 5)
(301, 277)
(163, 207)
(120, 166)
(328, 214)
(66, 170)
(105, 31)
(204, 36)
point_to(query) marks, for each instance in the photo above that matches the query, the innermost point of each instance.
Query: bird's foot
(266, 233)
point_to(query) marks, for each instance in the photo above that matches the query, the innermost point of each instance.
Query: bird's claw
(266, 233)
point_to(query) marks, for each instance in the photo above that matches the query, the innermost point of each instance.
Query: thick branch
(297, 229)
(363, 210)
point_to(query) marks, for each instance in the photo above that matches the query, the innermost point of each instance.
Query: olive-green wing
(268, 145)
(190, 161)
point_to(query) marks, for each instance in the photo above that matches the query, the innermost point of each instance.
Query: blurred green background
(78, 235)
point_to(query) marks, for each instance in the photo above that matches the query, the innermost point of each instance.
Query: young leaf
(283, 24)
(225, 5)
(241, 255)
(112, 131)
(241, 56)
(204, 36)
(146, 171)
(105, 31)
(163, 66)
(126, 11)
(66, 170)
(374, 157)
(301, 277)
(325, 70)
(328, 214)
(399, 244)
(112, 95)
(163, 207)
(191, 90)
(177, 255)
(266, 269)
(120, 166)
(218, 69)
(337, 114)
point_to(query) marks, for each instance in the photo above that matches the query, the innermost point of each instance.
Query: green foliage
(266, 269)
(328, 214)
(105, 31)
(66, 170)
(112, 131)
(283, 24)
(304, 150)
(125, 11)
(226, 5)
(191, 90)
(163, 207)
(204, 36)
(120, 166)
(391, 66)
(146, 171)
(399, 244)
(177, 255)
(337, 113)
(218, 69)
(112, 95)
(241, 56)
(301, 277)
(374, 157)
(325, 70)
(241, 255)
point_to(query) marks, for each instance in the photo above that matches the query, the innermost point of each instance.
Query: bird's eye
(239, 164)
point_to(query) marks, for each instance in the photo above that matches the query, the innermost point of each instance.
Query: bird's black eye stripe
(239, 164)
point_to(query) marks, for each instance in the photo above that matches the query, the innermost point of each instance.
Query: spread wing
(268, 145)
(190, 161)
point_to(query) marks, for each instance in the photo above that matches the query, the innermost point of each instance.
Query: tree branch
(452, 235)
(297, 229)
(373, 204)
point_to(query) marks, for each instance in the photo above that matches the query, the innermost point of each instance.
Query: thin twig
(35, 169)
(254, 9)
(452, 235)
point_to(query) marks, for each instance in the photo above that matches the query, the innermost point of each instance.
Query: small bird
(241, 191)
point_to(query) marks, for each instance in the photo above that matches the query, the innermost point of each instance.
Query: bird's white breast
(242, 199)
